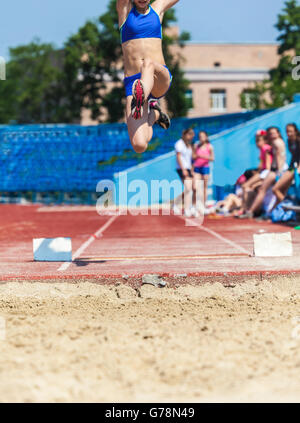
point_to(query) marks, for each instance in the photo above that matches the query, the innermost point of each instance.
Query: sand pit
(85, 342)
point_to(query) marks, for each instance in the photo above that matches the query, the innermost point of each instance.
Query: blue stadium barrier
(72, 159)
(297, 98)
(235, 151)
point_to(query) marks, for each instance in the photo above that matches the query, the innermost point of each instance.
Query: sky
(206, 20)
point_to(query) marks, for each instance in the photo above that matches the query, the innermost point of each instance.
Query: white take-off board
(273, 245)
(52, 249)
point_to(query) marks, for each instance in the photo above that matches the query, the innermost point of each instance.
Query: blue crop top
(138, 25)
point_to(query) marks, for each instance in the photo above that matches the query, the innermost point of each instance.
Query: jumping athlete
(147, 77)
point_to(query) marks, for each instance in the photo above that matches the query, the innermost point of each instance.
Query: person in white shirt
(184, 155)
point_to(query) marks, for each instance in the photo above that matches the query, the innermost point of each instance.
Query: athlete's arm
(212, 154)
(123, 9)
(268, 160)
(161, 6)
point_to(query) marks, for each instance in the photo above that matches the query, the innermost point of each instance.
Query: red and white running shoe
(137, 104)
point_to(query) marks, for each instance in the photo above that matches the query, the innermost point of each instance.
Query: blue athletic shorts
(129, 81)
(202, 170)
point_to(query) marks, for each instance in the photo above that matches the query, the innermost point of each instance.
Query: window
(189, 99)
(218, 101)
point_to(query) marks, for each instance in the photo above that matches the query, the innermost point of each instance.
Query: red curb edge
(110, 277)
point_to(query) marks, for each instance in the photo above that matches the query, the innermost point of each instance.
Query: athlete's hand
(185, 173)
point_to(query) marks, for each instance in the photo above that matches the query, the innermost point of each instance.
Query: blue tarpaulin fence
(71, 158)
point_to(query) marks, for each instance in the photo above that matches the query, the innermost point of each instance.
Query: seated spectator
(203, 154)
(232, 204)
(281, 187)
(266, 158)
(184, 153)
(278, 167)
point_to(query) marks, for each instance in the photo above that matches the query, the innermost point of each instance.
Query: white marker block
(52, 249)
(273, 245)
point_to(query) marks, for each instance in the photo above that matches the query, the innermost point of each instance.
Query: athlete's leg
(188, 194)
(232, 202)
(257, 185)
(186, 197)
(281, 187)
(205, 180)
(140, 131)
(267, 183)
(248, 187)
(251, 181)
(155, 81)
(155, 78)
(177, 202)
(199, 177)
(162, 80)
(198, 195)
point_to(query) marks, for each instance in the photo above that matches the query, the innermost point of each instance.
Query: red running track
(106, 246)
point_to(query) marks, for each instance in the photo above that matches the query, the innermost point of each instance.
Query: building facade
(219, 73)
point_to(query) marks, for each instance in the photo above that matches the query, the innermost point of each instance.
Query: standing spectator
(203, 154)
(278, 167)
(184, 153)
(281, 187)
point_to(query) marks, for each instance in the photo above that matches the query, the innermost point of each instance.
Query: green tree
(47, 85)
(252, 98)
(31, 91)
(282, 84)
(90, 57)
(177, 103)
(8, 110)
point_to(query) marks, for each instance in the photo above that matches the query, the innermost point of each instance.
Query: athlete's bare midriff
(136, 51)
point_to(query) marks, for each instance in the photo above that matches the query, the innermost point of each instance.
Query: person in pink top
(264, 168)
(266, 154)
(203, 154)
